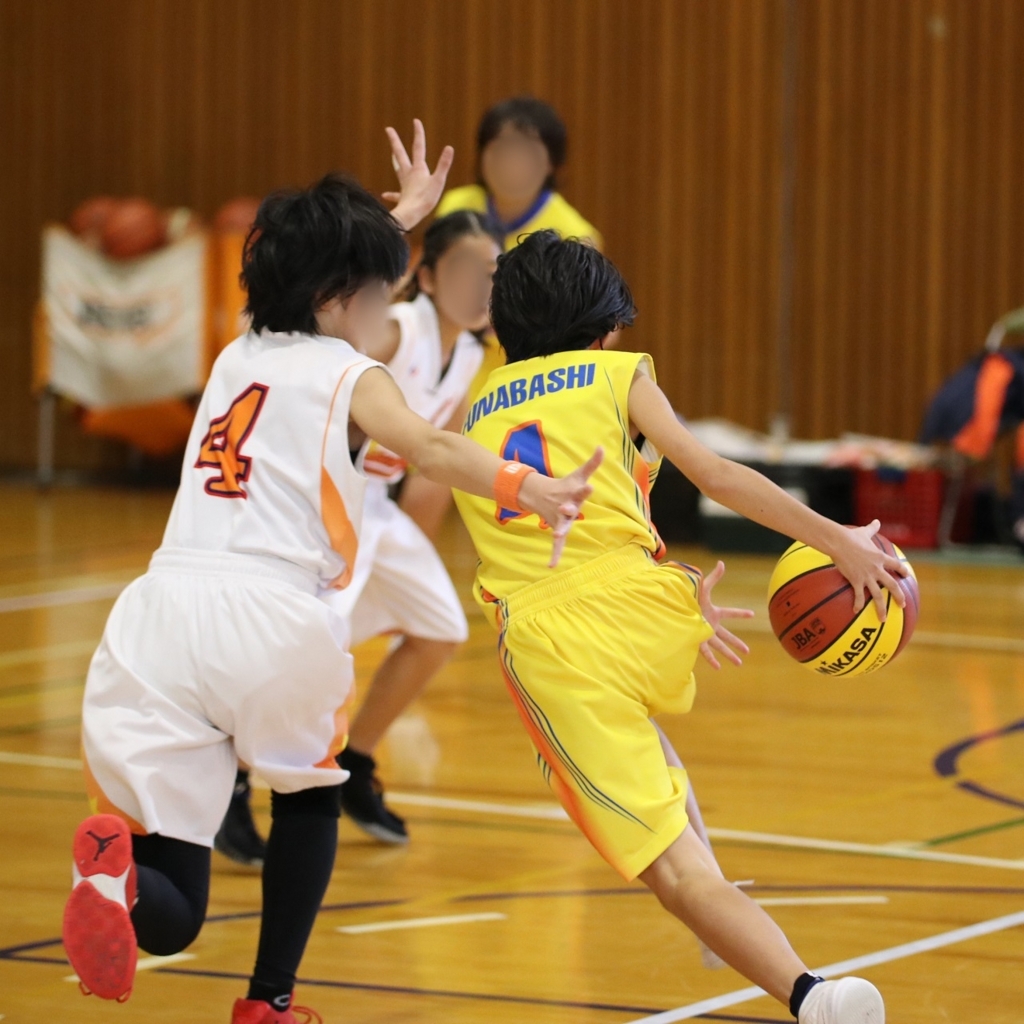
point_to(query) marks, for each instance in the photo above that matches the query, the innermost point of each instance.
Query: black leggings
(174, 887)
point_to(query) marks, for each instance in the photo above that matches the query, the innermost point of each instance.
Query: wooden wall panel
(908, 221)
(910, 215)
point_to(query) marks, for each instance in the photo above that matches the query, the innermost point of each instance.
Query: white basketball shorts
(207, 659)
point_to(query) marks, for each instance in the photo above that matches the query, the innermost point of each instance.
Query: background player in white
(224, 649)
(433, 349)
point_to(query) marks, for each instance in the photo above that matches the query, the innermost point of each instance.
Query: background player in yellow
(593, 649)
(520, 146)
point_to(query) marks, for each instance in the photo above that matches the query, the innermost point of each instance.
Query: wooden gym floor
(881, 819)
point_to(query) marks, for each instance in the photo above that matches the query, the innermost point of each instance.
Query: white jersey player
(224, 648)
(433, 351)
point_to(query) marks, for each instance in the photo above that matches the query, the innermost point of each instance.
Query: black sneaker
(362, 799)
(238, 838)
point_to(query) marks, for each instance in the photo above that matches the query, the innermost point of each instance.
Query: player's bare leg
(711, 960)
(689, 884)
(397, 683)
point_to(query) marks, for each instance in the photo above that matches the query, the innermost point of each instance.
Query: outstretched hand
(420, 187)
(869, 568)
(724, 642)
(557, 500)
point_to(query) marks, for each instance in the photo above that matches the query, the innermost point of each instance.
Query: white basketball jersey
(430, 390)
(267, 470)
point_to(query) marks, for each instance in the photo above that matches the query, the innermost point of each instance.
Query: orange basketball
(136, 226)
(237, 214)
(90, 217)
(810, 604)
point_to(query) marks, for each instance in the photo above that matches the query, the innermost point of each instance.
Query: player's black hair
(528, 115)
(555, 295)
(308, 246)
(442, 235)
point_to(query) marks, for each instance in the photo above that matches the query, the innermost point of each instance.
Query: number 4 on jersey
(527, 444)
(222, 447)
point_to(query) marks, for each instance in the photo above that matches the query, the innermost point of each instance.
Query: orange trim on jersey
(342, 534)
(340, 531)
(978, 436)
(1019, 460)
(380, 462)
(642, 478)
(99, 803)
(567, 796)
(340, 740)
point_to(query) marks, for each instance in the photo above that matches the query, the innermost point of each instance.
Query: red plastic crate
(908, 504)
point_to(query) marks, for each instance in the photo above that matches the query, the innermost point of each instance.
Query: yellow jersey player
(594, 648)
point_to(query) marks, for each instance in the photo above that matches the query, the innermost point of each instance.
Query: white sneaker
(846, 1001)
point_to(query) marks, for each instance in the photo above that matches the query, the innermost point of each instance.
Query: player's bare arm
(419, 187)
(379, 410)
(425, 501)
(753, 495)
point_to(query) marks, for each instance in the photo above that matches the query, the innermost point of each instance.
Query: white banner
(124, 333)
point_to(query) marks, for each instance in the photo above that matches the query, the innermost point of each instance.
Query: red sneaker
(255, 1011)
(98, 934)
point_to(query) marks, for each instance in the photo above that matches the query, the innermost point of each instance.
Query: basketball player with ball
(594, 649)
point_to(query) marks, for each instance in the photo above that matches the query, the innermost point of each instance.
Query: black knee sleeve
(322, 800)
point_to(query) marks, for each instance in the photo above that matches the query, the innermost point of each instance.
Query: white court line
(552, 812)
(149, 963)
(819, 901)
(872, 850)
(40, 761)
(924, 638)
(53, 598)
(882, 956)
(418, 922)
(549, 812)
(27, 655)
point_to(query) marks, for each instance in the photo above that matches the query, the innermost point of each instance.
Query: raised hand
(725, 643)
(420, 187)
(557, 500)
(868, 568)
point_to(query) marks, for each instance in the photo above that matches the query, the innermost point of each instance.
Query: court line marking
(926, 638)
(856, 963)
(867, 849)
(27, 655)
(54, 598)
(818, 901)
(548, 812)
(981, 830)
(552, 812)
(418, 922)
(151, 963)
(40, 760)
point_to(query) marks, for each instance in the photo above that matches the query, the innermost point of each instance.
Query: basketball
(90, 217)
(237, 214)
(810, 605)
(134, 228)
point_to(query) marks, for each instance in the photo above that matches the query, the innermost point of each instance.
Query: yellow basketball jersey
(551, 412)
(553, 212)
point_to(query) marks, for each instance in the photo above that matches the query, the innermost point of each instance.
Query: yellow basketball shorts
(589, 657)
